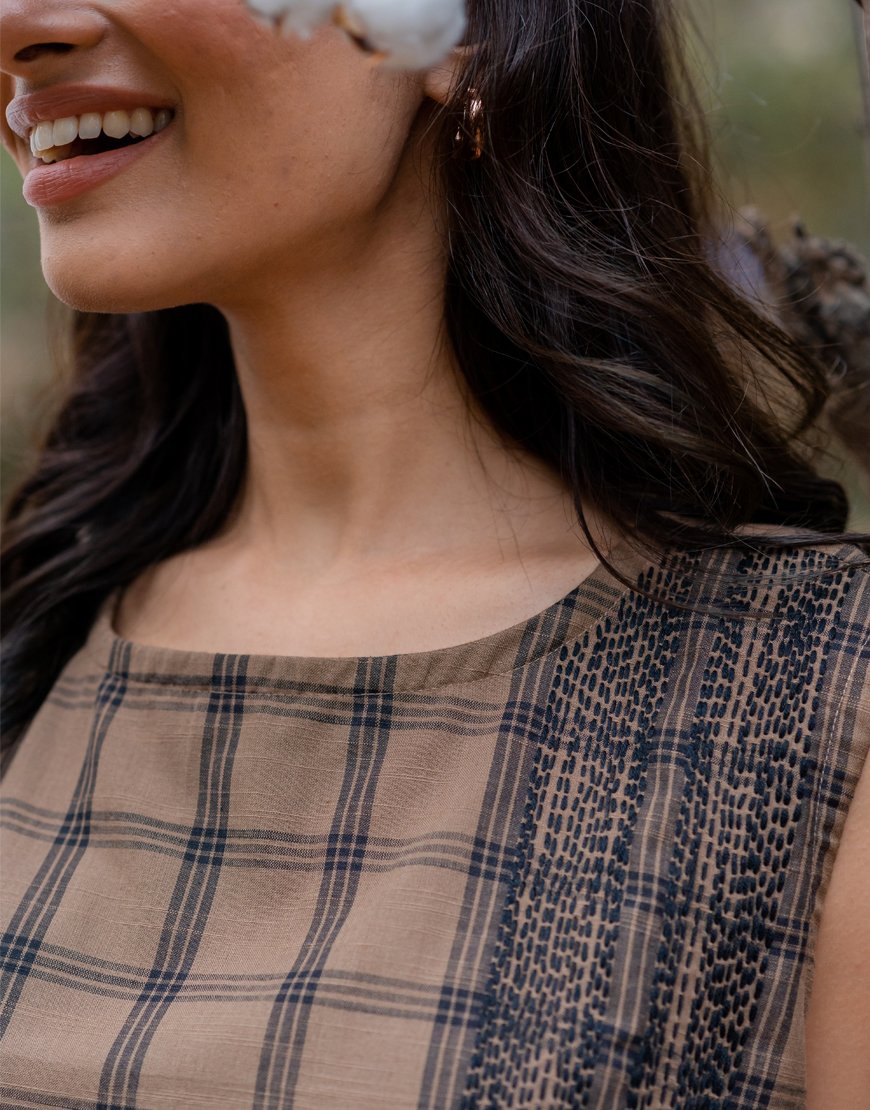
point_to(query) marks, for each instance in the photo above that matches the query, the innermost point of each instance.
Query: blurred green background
(782, 79)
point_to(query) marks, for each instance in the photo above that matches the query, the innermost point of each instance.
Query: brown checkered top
(578, 863)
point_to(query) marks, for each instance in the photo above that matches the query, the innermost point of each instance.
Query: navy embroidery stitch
(551, 968)
(743, 757)
(452, 1037)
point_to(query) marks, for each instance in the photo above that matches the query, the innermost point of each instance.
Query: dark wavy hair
(589, 319)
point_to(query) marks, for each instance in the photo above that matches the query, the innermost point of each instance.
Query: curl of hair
(589, 320)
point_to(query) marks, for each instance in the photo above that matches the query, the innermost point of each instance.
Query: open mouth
(81, 137)
(82, 148)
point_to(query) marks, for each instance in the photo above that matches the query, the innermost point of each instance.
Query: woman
(436, 675)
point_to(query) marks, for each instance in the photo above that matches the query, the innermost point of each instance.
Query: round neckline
(498, 653)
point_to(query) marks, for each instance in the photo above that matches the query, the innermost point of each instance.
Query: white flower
(268, 9)
(304, 16)
(412, 34)
(298, 16)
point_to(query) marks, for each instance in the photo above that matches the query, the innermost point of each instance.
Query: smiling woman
(436, 674)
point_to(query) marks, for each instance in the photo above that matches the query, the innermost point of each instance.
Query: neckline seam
(112, 644)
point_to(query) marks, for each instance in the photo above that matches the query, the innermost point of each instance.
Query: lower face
(277, 152)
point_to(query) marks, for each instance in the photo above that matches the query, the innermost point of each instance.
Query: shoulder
(772, 640)
(799, 614)
(775, 644)
(802, 677)
(808, 665)
(826, 584)
(795, 623)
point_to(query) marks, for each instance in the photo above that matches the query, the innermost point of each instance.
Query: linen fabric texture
(577, 863)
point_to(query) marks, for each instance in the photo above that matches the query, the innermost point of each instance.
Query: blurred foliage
(781, 81)
(24, 299)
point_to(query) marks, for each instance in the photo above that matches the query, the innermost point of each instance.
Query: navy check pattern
(579, 863)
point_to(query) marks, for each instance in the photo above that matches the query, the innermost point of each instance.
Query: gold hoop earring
(470, 133)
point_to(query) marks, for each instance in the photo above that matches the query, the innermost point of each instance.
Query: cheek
(314, 124)
(324, 168)
(214, 217)
(281, 148)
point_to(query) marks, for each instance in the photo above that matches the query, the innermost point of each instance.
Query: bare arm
(838, 1021)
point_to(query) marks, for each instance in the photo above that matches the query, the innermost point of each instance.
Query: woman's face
(281, 156)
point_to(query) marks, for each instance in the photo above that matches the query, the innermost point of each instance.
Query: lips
(59, 182)
(24, 112)
(47, 185)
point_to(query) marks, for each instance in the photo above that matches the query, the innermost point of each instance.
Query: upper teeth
(51, 139)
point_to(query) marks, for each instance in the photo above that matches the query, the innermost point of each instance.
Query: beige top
(576, 863)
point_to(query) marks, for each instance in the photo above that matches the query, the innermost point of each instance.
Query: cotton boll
(267, 11)
(298, 16)
(305, 16)
(413, 34)
(410, 34)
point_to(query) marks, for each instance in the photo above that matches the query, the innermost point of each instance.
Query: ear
(439, 80)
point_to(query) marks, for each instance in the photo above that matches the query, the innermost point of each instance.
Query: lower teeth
(55, 154)
(61, 153)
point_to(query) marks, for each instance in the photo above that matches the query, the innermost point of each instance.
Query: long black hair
(582, 300)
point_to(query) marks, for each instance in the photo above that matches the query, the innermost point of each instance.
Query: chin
(107, 284)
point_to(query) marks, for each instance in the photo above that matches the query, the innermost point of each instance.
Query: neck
(363, 444)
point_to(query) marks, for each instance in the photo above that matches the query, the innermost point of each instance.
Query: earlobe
(440, 79)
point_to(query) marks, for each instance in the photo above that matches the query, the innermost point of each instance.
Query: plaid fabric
(577, 863)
